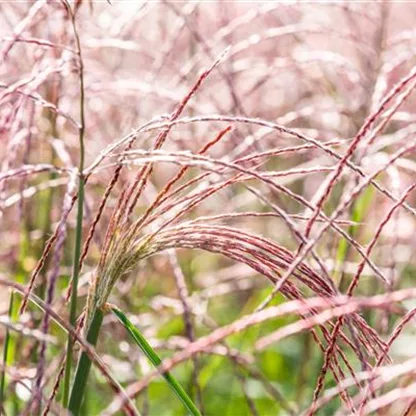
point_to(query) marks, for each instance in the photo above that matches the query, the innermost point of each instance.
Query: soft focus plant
(237, 178)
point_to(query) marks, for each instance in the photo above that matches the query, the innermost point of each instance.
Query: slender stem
(73, 306)
(80, 208)
(84, 366)
(5, 356)
(10, 342)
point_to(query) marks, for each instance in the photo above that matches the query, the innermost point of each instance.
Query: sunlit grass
(238, 179)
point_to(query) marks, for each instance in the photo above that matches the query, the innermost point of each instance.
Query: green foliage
(155, 360)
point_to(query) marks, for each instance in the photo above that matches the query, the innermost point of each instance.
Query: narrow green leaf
(155, 360)
(5, 354)
(84, 366)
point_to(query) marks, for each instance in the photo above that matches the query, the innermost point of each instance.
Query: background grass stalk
(358, 211)
(80, 212)
(5, 356)
(11, 341)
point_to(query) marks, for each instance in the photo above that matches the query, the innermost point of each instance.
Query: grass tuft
(238, 179)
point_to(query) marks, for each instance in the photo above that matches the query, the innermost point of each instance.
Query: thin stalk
(155, 360)
(84, 366)
(5, 357)
(73, 306)
(358, 211)
(80, 212)
(11, 340)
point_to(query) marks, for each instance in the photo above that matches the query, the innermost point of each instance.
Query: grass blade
(84, 366)
(155, 360)
(5, 355)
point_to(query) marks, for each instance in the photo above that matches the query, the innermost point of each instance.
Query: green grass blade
(155, 360)
(359, 210)
(5, 354)
(84, 366)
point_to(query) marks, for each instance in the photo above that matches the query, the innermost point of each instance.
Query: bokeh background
(317, 68)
